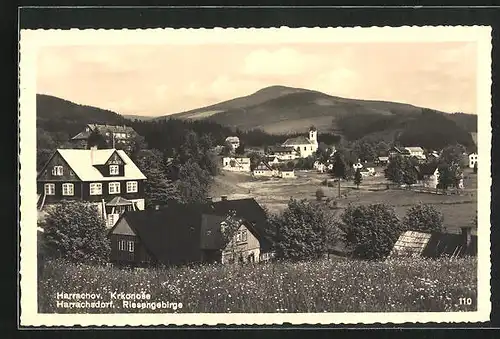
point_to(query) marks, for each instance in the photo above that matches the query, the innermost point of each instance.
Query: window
(68, 189)
(131, 186)
(50, 189)
(57, 170)
(131, 246)
(95, 188)
(121, 245)
(113, 169)
(114, 188)
(241, 236)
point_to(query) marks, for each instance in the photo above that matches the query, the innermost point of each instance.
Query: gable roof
(278, 149)
(297, 141)
(80, 161)
(263, 166)
(415, 149)
(427, 169)
(83, 135)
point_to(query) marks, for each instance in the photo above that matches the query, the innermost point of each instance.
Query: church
(305, 147)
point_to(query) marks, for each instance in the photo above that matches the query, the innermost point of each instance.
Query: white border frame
(32, 40)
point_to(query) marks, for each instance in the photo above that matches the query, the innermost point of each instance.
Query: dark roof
(427, 169)
(170, 235)
(174, 234)
(297, 141)
(281, 149)
(433, 245)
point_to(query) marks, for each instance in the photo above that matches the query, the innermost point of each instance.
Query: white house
(233, 141)
(236, 164)
(287, 174)
(357, 165)
(304, 146)
(264, 170)
(430, 176)
(319, 166)
(472, 160)
(417, 152)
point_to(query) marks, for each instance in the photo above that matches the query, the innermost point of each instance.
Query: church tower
(313, 135)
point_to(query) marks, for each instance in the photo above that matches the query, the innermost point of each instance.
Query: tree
(401, 170)
(453, 154)
(227, 149)
(339, 169)
(240, 150)
(424, 218)
(358, 178)
(474, 169)
(194, 183)
(158, 188)
(228, 228)
(365, 150)
(301, 231)
(255, 159)
(42, 157)
(75, 231)
(97, 139)
(449, 176)
(370, 231)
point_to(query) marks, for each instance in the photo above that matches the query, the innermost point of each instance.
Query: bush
(370, 231)
(76, 232)
(320, 194)
(423, 218)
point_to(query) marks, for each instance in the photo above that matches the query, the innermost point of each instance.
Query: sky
(155, 80)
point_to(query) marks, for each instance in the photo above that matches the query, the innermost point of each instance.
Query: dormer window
(113, 170)
(57, 170)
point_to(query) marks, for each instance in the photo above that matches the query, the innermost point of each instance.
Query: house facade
(472, 160)
(305, 147)
(263, 169)
(188, 234)
(115, 135)
(234, 141)
(236, 164)
(283, 153)
(106, 178)
(287, 174)
(417, 152)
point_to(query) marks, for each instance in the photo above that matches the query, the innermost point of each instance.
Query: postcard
(255, 176)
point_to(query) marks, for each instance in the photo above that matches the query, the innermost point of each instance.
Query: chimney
(466, 235)
(223, 197)
(92, 151)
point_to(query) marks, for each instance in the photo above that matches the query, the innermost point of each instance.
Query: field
(458, 210)
(340, 285)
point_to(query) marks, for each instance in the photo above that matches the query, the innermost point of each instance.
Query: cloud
(340, 81)
(283, 61)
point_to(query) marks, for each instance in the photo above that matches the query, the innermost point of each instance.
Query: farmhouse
(187, 234)
(263, 169)
(428, 176)
(472, 160)
(233, 141)
(417, 152)
(116, 134)
(283, 153)
(236, 164)
(436, 244)
(304, 146)
(382, 160)
(107, 178)
(272, 161)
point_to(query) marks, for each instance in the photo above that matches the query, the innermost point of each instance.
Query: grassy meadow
(458, 210)
(339, 285)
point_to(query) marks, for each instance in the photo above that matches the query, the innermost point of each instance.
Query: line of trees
(308, 229)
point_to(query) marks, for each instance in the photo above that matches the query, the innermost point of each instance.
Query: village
(251, 183)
